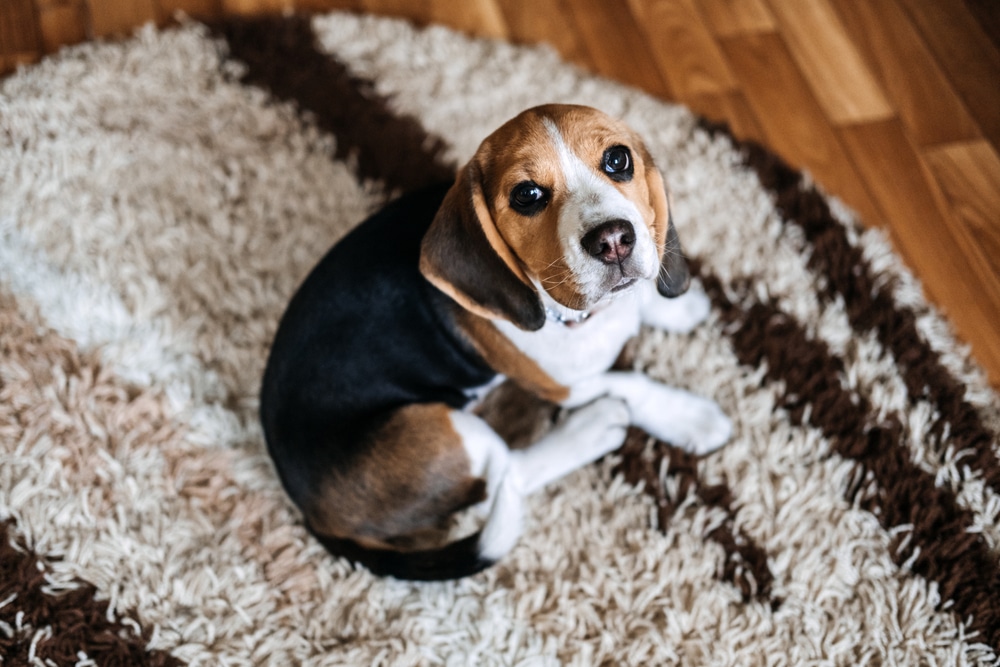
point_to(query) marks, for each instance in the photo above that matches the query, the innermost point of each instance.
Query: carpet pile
(160, 200)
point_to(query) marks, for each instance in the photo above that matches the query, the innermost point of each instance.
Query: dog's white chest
(570, 353)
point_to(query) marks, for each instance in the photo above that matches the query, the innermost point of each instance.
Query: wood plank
(929, 107)
(10, 62)
(6, 25)
(683, 47)
(255, 7)
(793, 122)
(323, 6)
(545, 21)
(119, 17)
(968, 175)
(616, 45)
(481, 18)
(727, 18)
(418, 11)
(987, 14)
(945, 254)
(966, 54)
(62, 25)
(205, 10)
(19, 36)
(843, 84)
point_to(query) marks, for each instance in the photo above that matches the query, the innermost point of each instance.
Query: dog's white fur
(606, 403)
(578, 356)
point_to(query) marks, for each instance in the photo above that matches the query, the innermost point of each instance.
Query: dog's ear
(674, 278)
(464, 256)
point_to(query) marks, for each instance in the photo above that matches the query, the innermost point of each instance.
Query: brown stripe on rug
(41, 621)
(870, 307)
(745, 564)
(38, 626)
(939, 547)
(281, 57)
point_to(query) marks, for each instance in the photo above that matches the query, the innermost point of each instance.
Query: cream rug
(160, 200)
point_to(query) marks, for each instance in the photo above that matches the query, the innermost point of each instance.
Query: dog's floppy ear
(464, 256)
(674, 278)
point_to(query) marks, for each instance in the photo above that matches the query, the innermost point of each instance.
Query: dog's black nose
(611, 241)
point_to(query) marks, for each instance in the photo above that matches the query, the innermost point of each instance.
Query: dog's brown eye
(617, 163)
(528, 198)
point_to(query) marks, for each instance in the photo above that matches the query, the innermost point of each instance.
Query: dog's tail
(454, 560)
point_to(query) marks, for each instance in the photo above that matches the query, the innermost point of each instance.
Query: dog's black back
(364, 335)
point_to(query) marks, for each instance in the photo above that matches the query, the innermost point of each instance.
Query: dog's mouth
(624, 284)
(616, 281)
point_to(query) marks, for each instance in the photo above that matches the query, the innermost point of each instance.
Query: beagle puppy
(541, 260)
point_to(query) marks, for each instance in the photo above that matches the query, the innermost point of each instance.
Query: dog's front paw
(586, 435)
(683, 419)
(599, 427)
(709, 428)
(679, 315)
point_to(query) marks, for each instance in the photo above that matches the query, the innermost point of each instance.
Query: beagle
(541, 260)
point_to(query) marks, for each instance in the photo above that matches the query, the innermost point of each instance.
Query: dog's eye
(526, 194)
(528, 198)
(617, 163)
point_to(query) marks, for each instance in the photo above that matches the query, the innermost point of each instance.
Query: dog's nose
(611, 241)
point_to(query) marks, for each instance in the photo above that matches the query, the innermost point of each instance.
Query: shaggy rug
(160, 200)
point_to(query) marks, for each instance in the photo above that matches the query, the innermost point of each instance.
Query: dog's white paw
(683, 419)
(708, 428)
(679, 315)
(597, 428)
(586, 435)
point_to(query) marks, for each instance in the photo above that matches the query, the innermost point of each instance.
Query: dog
(537, 264)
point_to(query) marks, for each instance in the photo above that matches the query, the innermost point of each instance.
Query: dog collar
(577, 319)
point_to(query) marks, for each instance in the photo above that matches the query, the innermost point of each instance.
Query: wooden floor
(893, 105)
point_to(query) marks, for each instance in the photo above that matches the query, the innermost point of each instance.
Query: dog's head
(563, 199)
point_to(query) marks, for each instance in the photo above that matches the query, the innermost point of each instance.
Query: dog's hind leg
(666, 413)
(490, 459)
(426, 463)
